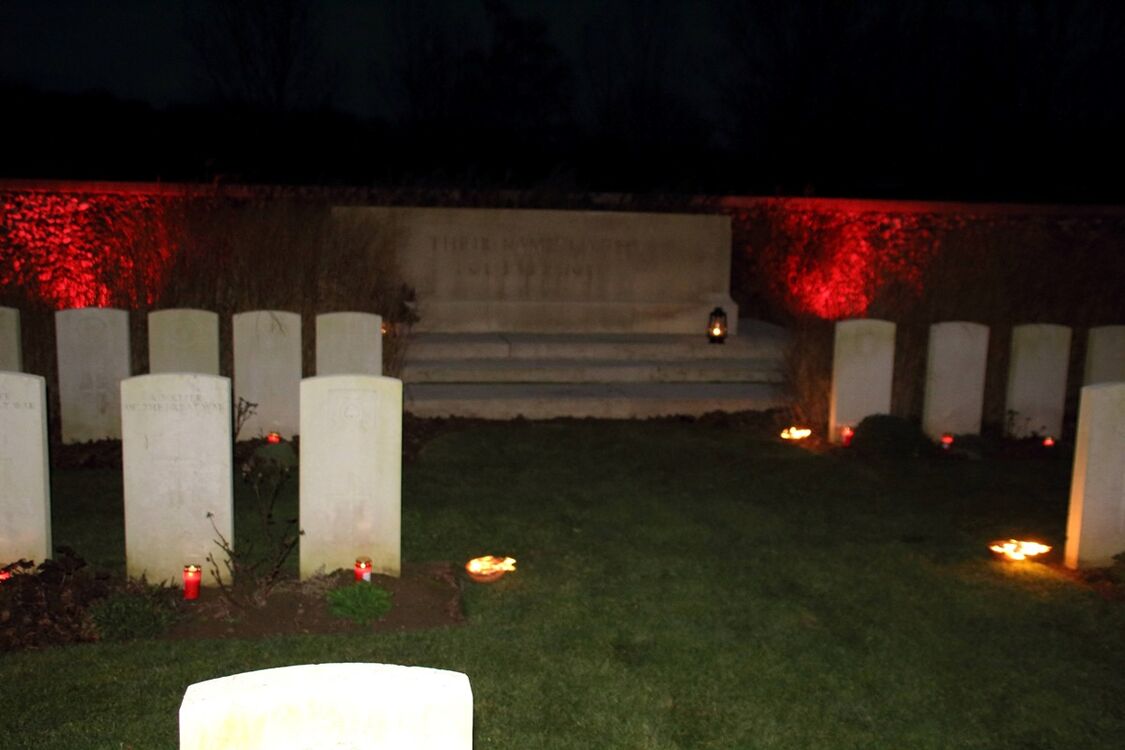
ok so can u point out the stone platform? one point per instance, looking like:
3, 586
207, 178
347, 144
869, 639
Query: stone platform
618, 376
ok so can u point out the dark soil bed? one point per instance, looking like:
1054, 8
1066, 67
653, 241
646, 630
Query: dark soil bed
428, 595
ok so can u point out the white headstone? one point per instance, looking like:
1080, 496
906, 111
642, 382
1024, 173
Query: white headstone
1037, 380
267, 370
25, 487
863, 365
955, 367
1095, 526
176, 462
349, 343
93, 352
183, 340
351, 706
11, 352
1105, 355
351, 472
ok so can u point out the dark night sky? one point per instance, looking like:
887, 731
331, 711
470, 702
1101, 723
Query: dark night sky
906, 98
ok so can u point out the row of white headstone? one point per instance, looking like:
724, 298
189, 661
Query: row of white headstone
863, 368
93, 359
178, 477
954, 397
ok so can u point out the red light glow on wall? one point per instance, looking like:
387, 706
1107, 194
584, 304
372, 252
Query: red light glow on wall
73, 250
832, 259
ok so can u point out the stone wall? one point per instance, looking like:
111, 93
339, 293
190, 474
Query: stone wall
487, 270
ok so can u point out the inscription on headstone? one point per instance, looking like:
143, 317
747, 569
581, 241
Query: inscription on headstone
183, 341
176, 462
25, 506
267, 370
93, 359
351, 470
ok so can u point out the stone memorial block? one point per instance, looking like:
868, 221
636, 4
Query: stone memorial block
1105, 355
1037, 380
267, 370
176, 463
863, 364
351, 471
1095, 526
349, 343
355, 706
183, 340
25, 486
93, 356
11, 352
489, 270
955, 368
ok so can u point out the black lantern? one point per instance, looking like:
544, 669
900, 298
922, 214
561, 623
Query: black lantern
717, 326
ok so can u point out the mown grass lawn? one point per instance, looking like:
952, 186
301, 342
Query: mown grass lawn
680, 585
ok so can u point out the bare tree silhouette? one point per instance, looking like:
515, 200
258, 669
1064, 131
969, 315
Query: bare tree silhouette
265, 55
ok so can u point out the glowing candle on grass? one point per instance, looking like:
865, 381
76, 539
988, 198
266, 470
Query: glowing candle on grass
1048, 441
1017, 549
946, 441
273, 438
193, 575
363, 569
847, 432
5, 575
488, 568
795, 433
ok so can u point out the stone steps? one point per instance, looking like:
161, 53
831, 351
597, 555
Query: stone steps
599, 400
591, 371
452, 346
541, 376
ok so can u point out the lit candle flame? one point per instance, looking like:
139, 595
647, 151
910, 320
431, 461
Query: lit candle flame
946, 440
1016, 549
716, 331
273, 437
489, 564
795, 433
1048, 441
846, 434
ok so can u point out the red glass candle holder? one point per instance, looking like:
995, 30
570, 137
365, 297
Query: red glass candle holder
847, 432
363, 569
193, 576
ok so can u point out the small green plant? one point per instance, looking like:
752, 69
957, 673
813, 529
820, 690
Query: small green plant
362, 603
137, 612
